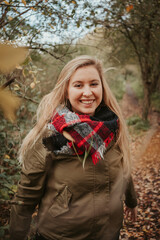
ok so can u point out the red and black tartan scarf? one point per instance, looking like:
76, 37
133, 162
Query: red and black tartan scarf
91, 134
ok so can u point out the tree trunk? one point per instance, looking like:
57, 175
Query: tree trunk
146, 101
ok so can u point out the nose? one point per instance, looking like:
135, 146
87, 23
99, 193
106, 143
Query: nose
87, 91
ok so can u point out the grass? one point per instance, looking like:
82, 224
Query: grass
137, 124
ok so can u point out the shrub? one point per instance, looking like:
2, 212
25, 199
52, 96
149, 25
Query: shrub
137, 123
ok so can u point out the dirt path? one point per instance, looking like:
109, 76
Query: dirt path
146, 174
130, 104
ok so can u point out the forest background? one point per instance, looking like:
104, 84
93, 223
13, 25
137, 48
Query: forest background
39, 37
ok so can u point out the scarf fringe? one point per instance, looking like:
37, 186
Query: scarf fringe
99, 154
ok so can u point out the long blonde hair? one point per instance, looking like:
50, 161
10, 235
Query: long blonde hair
58, 96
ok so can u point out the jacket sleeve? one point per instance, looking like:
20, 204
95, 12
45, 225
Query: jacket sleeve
30, 190
130, 194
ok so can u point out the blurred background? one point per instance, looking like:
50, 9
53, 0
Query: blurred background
37, 38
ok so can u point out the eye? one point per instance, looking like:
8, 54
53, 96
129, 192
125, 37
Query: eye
78, 85
94, 84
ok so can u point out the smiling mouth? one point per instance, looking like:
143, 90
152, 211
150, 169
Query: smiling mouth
87, 101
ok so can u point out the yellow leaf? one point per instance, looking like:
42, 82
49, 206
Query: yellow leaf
24, 2
10, 18
51, 26
11, 56
15, 9
19, 67
32, 85
34, 9
9, 103
7, 156
16, 87
14, 188
6, 2
74, 2
25, 72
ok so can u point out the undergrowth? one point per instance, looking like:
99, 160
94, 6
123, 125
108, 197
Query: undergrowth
137, 124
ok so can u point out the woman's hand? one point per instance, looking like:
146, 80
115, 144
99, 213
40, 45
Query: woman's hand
131, 214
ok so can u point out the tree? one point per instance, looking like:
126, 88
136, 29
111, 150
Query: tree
38, 23
34, 23
139, 22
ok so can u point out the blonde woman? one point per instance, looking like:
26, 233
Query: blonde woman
75, 162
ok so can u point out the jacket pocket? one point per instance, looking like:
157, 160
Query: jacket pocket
61, 203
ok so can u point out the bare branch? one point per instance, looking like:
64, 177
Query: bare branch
22, 13
5, 23
128, 35
46, 51
27, 98
3, 16
6, 84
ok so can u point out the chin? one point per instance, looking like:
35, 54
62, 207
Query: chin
89, 113
84, 111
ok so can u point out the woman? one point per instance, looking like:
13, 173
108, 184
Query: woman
76, 161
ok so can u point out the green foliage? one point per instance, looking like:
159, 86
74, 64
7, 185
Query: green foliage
9, 177
11, 135
117, 83
3, 230
42, 72
137, 124
137, 87
10, 139
36, 56
10, 168
118, 87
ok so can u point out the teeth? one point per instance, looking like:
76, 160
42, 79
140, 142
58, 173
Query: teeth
87, 102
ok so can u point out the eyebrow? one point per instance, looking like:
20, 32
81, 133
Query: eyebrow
79, 81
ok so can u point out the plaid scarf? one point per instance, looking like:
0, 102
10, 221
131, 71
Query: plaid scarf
92, 134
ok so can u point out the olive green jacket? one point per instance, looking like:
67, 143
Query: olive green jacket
74, 203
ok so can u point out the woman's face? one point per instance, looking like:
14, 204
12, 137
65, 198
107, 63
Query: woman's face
85, 90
